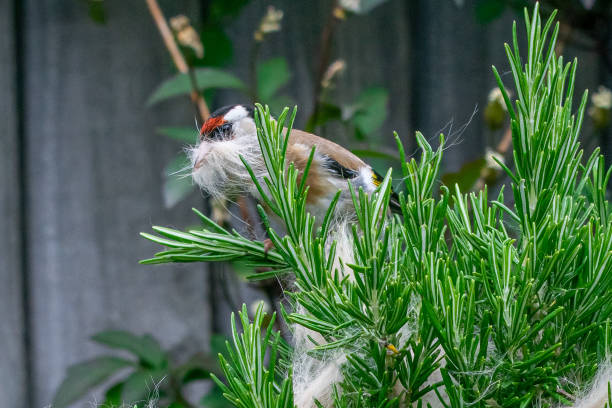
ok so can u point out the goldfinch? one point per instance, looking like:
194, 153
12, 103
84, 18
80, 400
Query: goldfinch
230, 132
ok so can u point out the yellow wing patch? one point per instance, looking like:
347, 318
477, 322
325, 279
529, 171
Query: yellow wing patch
376, 179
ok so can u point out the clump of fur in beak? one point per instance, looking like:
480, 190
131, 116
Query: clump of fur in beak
218, 170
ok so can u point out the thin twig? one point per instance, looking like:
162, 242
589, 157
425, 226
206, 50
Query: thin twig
177, 56
196, 96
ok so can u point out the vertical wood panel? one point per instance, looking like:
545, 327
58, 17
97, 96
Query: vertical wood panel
451, 76
13, 367
94, 177
378, 52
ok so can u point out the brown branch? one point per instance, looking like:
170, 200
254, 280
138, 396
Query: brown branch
196, 96
167, 36
177, 57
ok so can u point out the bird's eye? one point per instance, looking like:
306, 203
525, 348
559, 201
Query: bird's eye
216, 134
221, 132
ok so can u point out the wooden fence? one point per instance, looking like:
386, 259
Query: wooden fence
81, 165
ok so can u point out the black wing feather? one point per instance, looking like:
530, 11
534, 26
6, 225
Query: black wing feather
339, 170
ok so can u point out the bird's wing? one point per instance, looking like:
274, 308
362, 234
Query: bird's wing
335, 152
339, 161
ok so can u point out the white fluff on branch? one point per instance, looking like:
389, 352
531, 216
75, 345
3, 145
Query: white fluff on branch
596, 395
314, 379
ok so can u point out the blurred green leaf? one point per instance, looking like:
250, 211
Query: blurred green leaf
369, 111
217, 344
466, 176
242, 269
175, 189
141, 385
145, 347
177, 181
195, 374
488, 10
218, 48
272, 75
112, 397
82, 377
206, 78
327, 112
495, 115
182, 134
365, 6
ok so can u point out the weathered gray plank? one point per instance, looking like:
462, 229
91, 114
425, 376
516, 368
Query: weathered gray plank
94, 173
13, 367
451, 76
378, 52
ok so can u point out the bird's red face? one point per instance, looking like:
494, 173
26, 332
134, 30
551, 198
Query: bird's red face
215, 128
220, 126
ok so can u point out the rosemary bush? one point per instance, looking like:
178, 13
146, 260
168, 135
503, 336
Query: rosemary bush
461, 299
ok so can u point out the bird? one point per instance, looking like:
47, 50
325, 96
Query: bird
230, 132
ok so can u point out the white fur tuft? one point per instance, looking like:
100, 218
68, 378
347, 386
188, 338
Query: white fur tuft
596, 395
313, 378
220, 171
341, 232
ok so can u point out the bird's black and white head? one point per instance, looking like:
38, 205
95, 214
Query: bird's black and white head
229, 133
228, 122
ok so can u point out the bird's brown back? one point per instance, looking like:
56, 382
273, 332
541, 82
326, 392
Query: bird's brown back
328, 148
